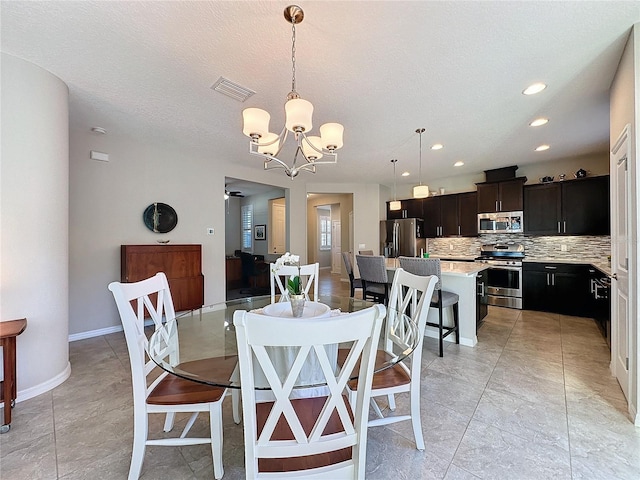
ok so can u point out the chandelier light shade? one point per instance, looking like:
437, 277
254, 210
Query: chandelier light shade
298, 121
396, 204
420, 191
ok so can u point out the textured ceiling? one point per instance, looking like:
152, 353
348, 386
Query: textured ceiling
382, 69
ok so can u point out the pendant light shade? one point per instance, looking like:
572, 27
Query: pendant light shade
395, 204
269, 144
420, 191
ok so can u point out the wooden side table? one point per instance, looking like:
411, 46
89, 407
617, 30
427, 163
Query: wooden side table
8, 393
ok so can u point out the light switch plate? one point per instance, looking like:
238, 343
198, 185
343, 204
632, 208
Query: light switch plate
362, 245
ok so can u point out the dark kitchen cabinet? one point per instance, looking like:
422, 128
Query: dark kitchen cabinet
556, 287
505, 196
410, 208
468, 214
450, 215
432, 217
542, 209
573, 207
482, 297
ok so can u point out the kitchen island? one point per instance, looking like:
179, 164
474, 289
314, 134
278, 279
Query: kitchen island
460, 278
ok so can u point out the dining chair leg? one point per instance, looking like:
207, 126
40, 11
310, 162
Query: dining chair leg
375, 407
391, 399
215, 421
416, 421
168, 421
235, 404
187, 427
140, 432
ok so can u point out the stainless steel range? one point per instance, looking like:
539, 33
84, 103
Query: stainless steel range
504, 275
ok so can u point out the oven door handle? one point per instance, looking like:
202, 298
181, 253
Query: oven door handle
500, 267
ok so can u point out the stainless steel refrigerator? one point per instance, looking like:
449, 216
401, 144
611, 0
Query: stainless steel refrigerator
402, 237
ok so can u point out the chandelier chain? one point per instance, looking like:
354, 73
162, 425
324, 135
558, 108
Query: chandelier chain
293, 57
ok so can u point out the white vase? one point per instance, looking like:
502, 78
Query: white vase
297, 304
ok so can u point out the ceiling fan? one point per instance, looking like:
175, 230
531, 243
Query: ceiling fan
233, 193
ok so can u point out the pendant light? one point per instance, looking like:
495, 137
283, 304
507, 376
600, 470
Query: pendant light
395, 205
420, 191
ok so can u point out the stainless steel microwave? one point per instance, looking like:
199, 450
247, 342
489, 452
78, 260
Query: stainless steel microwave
500, 222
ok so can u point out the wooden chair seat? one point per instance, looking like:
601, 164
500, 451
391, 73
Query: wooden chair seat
307, 410
389, 377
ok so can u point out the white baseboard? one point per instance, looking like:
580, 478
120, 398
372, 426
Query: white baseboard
95, 333
44, 387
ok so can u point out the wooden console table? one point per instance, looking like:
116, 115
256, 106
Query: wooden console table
8, 333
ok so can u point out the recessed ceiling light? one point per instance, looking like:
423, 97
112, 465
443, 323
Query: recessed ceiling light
458, 164
539, 121
437, 146
405, 174
533, 89
542, 148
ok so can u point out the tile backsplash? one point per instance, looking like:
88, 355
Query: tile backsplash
551, 247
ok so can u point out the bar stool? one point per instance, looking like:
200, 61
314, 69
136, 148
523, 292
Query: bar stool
373, 273
441, 298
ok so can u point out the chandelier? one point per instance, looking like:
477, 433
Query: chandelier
420, 191
298, 116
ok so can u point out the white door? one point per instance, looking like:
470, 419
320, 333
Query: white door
336, 247
620, 253
278, 230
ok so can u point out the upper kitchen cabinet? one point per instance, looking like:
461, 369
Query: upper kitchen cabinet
572, 207
450, 215
468, 214
410, 208
504, 196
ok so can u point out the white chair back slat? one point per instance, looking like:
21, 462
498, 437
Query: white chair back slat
257, 334
308, 278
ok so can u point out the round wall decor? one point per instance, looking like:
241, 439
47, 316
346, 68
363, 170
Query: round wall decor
160, 217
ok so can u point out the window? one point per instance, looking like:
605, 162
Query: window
246, 213
325, 232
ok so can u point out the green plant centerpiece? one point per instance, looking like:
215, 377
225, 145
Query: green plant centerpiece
295, 292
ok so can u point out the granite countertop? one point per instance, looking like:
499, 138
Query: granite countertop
462, 269
600, 264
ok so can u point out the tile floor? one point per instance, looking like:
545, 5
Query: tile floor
534, 400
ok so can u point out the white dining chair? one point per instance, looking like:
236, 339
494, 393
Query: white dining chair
313, 437
155, 392
308, 278
410, 295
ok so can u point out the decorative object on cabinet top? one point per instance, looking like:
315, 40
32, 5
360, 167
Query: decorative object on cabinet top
581, 173
160, 217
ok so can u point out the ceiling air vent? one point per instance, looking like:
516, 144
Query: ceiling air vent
231, 89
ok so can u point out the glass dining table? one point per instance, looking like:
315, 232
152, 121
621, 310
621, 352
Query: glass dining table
204, 340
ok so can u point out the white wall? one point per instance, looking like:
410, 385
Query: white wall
34, 233
106, 204
625, 109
